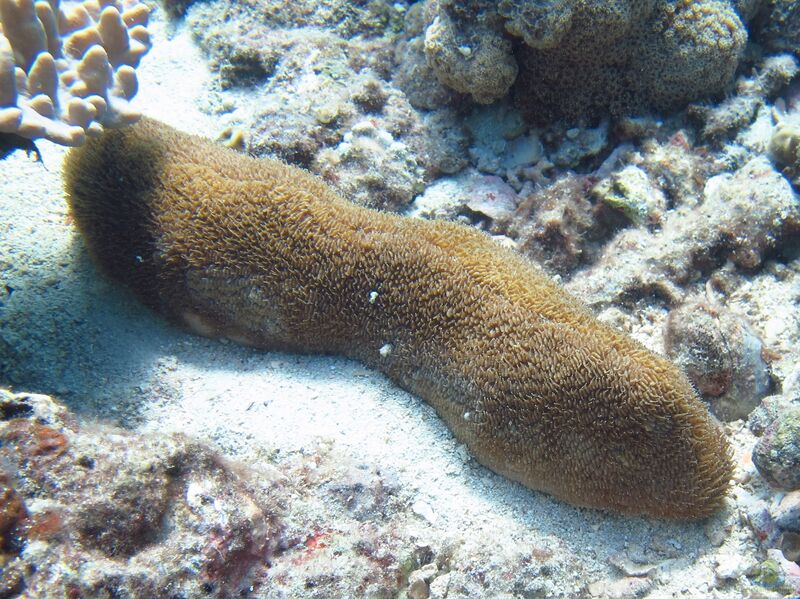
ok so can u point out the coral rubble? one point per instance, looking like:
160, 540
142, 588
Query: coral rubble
96, 511
698, 241
321, 96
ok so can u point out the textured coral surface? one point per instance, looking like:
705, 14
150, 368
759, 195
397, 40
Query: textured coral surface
534, 386
96, 511
586, 58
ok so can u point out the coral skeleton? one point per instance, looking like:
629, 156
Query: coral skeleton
66, 72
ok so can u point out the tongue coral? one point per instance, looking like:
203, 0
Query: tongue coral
268, 255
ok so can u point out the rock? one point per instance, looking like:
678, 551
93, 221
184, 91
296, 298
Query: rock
419, 580
787, 512
790, 546
776, 573
730, 566
557, 226
766, 413
424, 510
483, 199
630, 192
364, 492
744, 216
439, 586
791, 384
777, 453
624, 588
372, 168
579, 145
498, 139
721, 355
756, 513
629, 567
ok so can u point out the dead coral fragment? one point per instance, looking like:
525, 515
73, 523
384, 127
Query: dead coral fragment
536, 387
65, 74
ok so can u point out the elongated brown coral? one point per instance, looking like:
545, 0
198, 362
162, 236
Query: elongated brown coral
68, 71
266, 254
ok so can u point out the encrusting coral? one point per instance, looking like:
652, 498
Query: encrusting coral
66, 74
587, 57
268, 255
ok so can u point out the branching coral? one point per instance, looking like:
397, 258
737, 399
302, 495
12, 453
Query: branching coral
67, 73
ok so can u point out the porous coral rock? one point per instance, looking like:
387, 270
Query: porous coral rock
67, 72
502, 143
677, 168
752, 93
301, 79
367, 18
766, 413
557, 226
576, 145
630, 192
475, 60
784, 146
371, 168
415, 77
779, 27
540, 24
